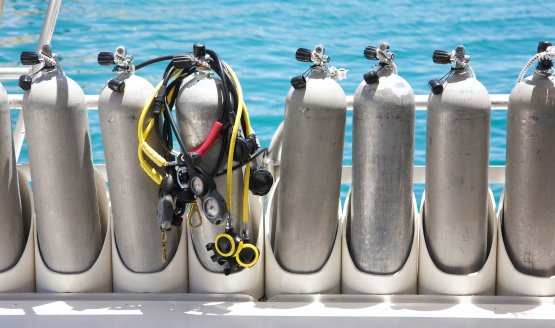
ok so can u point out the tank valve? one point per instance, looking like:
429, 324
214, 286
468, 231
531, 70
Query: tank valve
459, 60
385, 57
320, 61
44, 56
124, 67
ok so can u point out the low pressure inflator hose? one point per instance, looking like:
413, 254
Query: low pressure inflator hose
544, 56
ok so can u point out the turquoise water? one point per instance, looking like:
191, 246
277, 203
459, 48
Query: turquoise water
259, 39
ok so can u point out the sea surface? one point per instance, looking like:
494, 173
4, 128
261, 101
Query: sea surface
259, 38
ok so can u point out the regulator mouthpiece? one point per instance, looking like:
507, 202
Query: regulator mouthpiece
232, 252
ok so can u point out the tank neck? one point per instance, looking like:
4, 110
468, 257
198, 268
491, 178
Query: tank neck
318, 74
459, 75
386, 71
203, 73
541, 76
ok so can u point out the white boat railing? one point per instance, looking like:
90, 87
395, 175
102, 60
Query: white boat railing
496, 172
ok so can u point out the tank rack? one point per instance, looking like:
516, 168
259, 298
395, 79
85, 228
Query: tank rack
194, 310
235, 310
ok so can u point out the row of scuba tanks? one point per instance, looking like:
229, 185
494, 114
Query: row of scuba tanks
202, 166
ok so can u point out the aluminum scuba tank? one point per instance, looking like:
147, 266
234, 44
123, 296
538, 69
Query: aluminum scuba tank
199, 104
12, 234
68, 221
529, 209
312, 153
457, 159
381, 227
132, 193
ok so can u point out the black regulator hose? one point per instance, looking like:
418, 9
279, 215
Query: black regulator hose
153, 61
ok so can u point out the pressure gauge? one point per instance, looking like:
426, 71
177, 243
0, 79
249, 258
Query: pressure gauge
197, 186
213, 209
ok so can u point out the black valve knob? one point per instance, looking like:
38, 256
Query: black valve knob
199, 50
441, 57
29, 58
105, 58
25, 82
544, 64
371, 53
116, 85
298, 82
436, 87
543, 45
260, 181
303, 55
244, 148
371, 77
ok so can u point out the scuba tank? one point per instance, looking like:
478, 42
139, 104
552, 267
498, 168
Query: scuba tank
198, 105
382, 227
529, 210
457, 151
216, 141
55, 114
133, 194
12, 235
312, 153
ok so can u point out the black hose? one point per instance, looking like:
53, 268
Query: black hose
153, 61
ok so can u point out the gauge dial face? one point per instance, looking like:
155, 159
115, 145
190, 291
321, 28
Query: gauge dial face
197, 186
211, 208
